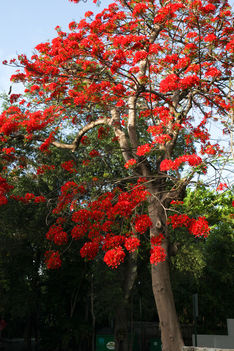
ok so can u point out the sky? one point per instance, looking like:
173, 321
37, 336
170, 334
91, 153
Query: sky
26, 23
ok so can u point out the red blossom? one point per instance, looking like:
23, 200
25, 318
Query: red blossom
162, 139
112, 241
221, 186
130, 163
139, 8
197, 227
57, 235
182, 62
89, 250
44, 168
179, 220
52, 259
143, 149
170, 83
155, 130
157, 255
45, 145
193, 160
114, 257
94, 153
139, 56
29, 196
142, 223
69, 166
132, 244
157, 240
209, 8
81, 216
189, 81
39, 199
79, 231
176, 202
8, 150
213, 72
210, 37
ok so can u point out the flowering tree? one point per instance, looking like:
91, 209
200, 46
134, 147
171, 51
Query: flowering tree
149, 78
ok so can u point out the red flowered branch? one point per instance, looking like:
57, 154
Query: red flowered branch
138, 72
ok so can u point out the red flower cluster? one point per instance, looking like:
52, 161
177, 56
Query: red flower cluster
177, 202
197, 227
132, 243
45, 145
140, 55
157, 240
143, 149
155, 130
167, 12
162, 139
221, 186
8, 150
69, 191
40, 198
44, 168
52, 259
193, 160
210, 37
114, 257
79, 231
57, 235
130, 163
172, 82
142, 223
139, 9
157, 254
112, 241
188, 81
98, 222
89, 250
94, 153
4, 188
81, 216
209, 8
69, 166
28, 198
102, 132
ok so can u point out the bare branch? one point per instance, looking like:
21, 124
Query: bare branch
88, 127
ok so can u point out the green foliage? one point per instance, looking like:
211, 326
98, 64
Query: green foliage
205, 266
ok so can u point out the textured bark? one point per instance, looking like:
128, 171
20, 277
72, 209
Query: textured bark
121, 328
170, 330
122, 340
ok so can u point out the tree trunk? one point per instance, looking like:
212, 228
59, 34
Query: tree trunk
122, 340
28, 333
121, 328
170, 329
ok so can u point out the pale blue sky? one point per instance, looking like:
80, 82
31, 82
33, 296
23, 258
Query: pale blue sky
26, 23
